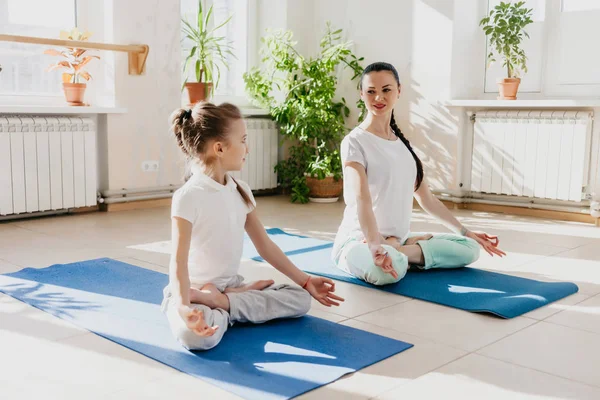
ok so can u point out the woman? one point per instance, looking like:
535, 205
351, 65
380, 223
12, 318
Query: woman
382, 173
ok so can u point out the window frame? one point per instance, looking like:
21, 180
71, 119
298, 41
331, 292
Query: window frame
549, 85
38, 98
252, 23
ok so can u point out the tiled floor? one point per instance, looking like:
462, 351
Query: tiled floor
550, 353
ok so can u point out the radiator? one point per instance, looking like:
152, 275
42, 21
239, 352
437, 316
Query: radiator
46, 163
536, 154
263, 145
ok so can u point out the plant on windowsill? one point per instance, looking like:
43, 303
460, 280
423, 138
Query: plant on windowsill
299, 94
208, 53
505, 28
75, 60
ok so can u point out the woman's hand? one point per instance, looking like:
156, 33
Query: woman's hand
382, 259
322, 290
194, 320
488, 242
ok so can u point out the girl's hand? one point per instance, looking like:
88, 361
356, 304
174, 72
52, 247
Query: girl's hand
322, 290
194, 320
382, 259
488, 242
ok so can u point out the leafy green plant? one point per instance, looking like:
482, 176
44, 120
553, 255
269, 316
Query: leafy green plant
325, 163
294, 166
505, 28
208, 52
300, 94
300, 190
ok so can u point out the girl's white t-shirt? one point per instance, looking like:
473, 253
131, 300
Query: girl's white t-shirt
391, 174
218, 216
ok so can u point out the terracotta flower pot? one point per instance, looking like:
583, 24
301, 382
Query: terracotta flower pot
74, 93
198, 91
508, 88
326, 190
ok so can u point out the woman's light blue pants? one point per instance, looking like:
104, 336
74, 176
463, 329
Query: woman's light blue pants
443, 250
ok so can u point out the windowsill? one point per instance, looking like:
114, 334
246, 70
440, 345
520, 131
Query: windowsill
33, 109
253, 112
545, 103
247, 111
243, 103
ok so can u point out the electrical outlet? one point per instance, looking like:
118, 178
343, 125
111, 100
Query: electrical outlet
150, 166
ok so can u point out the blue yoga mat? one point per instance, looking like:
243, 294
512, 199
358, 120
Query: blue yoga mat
276, 360
468, 289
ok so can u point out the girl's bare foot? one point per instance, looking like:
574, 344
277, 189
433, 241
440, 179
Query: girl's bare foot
415, 239
210, 296
258, 285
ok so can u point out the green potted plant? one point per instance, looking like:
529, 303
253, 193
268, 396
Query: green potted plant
505, 28
207, 54
324, 175
74, 61
299, 93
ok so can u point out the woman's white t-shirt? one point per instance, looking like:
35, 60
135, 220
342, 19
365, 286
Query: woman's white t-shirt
391, 174
218, 216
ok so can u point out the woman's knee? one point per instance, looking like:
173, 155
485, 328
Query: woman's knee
473, 252
468, 251
373, 274
358, 261
449, 251
376, 276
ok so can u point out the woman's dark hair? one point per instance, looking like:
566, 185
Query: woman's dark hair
383, 66
205, 122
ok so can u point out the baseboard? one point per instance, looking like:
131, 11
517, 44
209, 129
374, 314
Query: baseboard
166, 202
80, 210
513, 210
523, 211
136, 205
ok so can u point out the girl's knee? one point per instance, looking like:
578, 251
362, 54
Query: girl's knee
191, 341
304, 301
296, 298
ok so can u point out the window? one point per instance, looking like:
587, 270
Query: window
561, 60
579, 5
240, 32
572, 67
24, 65
532, 80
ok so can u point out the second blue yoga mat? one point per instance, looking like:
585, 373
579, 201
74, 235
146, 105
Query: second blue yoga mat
468, 289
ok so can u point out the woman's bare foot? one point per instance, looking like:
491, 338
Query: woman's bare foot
411, 250
393, 241
415, 239
210, 296
258, 285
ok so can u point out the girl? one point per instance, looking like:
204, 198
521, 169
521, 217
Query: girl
382, 173
209, 214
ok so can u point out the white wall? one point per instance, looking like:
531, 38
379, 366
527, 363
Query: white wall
125, 141
436, 45
143, 132
417, 37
